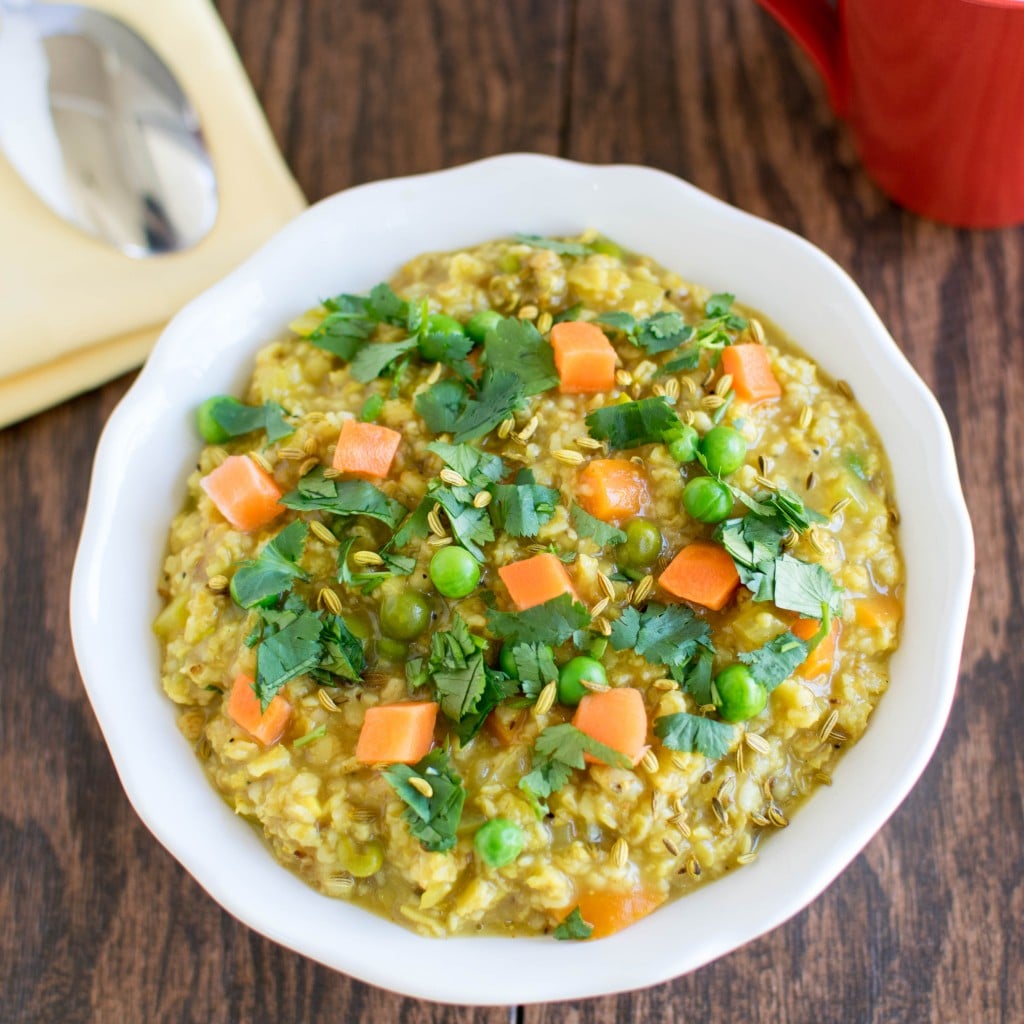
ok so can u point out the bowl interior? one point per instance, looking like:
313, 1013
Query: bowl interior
350, 242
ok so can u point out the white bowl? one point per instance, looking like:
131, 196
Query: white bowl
348, 243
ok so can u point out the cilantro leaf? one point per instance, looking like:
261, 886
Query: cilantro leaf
341, 652
292, 651
696, 677
719, 304
552, 622
497, 687
562, 248
500, 394
471, 526
522, 508
693, 734
273, 570
478, 468
236, 419
805, 587
371, 408
343, 332
516, 346
372, 360
776, 660
632, 424
586, 525
663, 635
536, 667
442, 404
573, 927
662, 332
383, 304
782, 505
316, 493
619, 321
556, 752
432, 820
460, 687
446, 345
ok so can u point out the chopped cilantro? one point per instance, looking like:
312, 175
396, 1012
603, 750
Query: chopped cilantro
632, 424
573, 927
479, 469
441, 405
536, 667
784, 505
602, 533
371, 408
273, 570
776, 660
394, 565
805, 587
500, 395
661, 332
432, 820
236, 419
522, 508
569, 313
516, 346
663, 635
372, 360
443, 344
552, 622
471, 526
343, 332
557, 751
693, 734
697, 676
316, 493
314, 734
384, 305
297, 641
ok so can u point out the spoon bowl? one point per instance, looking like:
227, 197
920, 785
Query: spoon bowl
99, 128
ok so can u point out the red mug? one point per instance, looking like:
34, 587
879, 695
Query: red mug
933, 91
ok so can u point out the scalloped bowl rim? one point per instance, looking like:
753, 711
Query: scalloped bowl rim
348, 242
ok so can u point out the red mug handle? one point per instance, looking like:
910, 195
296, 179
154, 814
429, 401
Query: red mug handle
814, 24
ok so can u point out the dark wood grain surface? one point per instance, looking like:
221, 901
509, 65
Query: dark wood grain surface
100, 924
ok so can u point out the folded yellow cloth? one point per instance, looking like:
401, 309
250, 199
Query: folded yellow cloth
75, 312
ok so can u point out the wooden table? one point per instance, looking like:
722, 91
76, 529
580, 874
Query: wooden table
100, 924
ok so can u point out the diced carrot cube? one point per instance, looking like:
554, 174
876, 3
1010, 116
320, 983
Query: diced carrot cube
365, 450
397, 733
608, 911
878, 611
612, 489
821, 660
751, 372
617, 718
584, 358
244, 709
535, 580
702, 572
245, 495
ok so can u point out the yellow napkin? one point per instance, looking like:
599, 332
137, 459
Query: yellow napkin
74, 312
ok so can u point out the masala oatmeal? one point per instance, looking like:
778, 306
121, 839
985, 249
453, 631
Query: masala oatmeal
530, 590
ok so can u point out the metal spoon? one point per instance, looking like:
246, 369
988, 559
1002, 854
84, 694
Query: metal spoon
100, 129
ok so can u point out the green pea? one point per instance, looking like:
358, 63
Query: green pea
499, 842
737, 694
508, 263
707, 499
404, 615
507, 663
392, 650
572, 674
482, 322
724, 450
454, 571
360, 863
683, 443
643, 544
206, 418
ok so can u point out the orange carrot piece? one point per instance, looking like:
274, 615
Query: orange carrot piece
617, 718
397, 733
245, 495
610, 910
584, 358
878, 612
365, 450
503, 724
702, 572
535, 580
820, 661
751, 372
244, 709
612, 488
